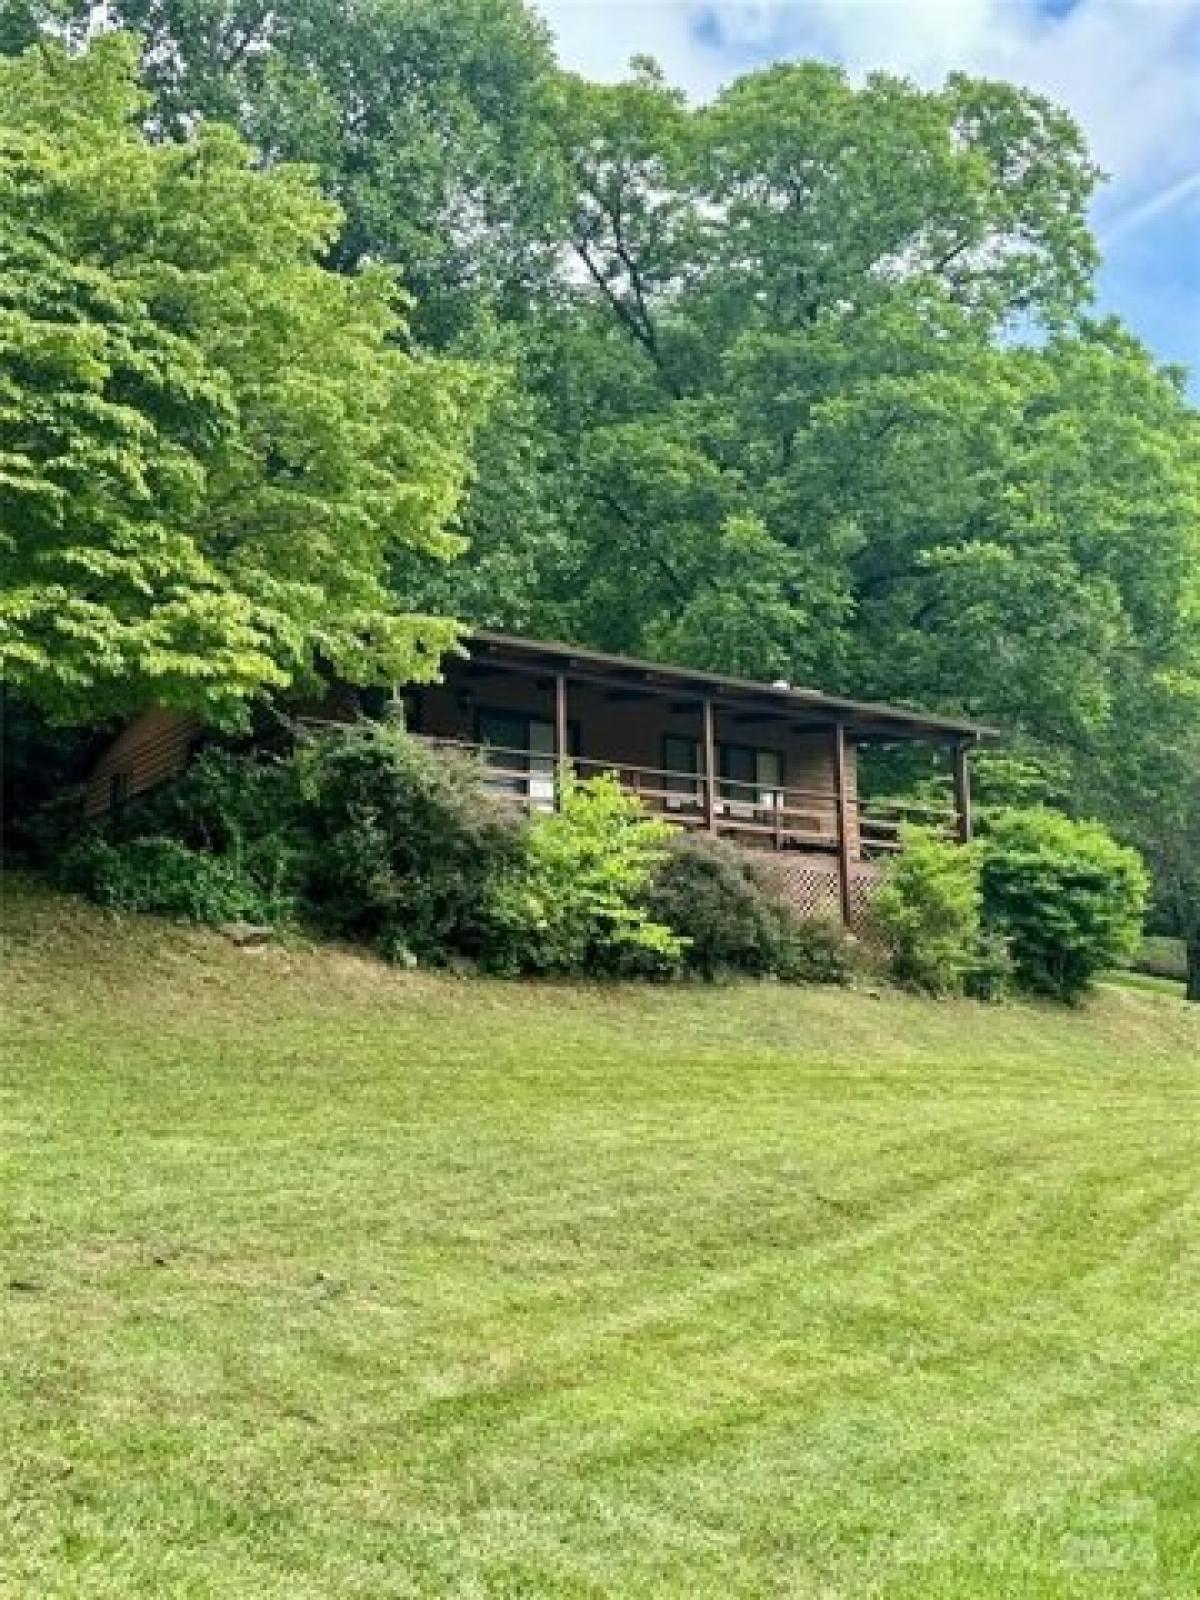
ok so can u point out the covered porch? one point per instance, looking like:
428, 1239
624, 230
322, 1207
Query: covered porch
771, 767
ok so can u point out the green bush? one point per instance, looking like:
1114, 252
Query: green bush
222, 800
991, 975
928, 912
1067, 897
818, 950
732, 919
1159, 956
164, 876
243, 808
38, 765
361, 829
404, 847
576, 901
707, 892
216, 844
380, 838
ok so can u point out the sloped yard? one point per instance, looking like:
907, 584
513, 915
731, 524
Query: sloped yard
321, 1280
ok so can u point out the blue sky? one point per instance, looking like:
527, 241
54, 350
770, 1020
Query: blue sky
1129, 70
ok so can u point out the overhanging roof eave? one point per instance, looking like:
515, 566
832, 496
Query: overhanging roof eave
870, 719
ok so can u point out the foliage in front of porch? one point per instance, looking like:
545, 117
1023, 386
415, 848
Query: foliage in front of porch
235, 457
364, 832
367, 833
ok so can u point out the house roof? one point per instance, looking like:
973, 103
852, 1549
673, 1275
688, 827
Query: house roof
868, 719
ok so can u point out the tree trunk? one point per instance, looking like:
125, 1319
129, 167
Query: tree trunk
1193, 964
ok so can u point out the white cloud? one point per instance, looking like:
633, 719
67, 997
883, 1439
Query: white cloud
1128, 69
1171, 197
597, 37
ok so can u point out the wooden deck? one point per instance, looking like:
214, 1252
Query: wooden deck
797, 829
779, 818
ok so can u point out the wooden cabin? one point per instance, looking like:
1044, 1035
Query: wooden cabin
768, 765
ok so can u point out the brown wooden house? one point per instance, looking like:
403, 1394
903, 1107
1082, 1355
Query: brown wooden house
772, 767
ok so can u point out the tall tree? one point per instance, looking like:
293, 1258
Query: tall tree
765, 292
801, 383
802, 428
425, 119
1149, 783
209, 444
798, 428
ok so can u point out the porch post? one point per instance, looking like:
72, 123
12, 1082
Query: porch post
562, 738
962, 791
710, 767
842, 808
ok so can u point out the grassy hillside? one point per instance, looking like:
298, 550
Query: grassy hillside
323, 1280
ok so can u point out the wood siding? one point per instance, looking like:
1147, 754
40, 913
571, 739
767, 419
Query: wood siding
152, 748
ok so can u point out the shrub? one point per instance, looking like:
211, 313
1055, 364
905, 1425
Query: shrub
403, 845
707, 892
242, 807
576, 902
1068, 898
991, 974
817, 950
165, 876
220, 802
732, 919
1159, 956
57, 829
38, 764
216, 844
928, 912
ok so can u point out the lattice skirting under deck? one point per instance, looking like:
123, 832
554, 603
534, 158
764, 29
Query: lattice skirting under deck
810, 883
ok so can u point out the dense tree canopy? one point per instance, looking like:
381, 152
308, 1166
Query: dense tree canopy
795, 427
800, 383
209, 444
823, 399
426, 120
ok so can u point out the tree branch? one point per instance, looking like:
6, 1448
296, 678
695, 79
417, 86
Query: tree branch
638, 322
678, 586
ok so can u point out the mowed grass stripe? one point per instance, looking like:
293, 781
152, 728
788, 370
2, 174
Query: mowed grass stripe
341, 1282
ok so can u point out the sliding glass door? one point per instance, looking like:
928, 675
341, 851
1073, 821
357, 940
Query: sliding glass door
749, 780
681, 758
522, 755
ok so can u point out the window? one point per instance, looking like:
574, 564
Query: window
681, 757
524, 754
750, 779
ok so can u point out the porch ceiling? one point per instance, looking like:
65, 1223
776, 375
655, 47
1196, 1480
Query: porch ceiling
626, 676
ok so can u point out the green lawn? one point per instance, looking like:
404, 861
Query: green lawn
322, 1280
1152, 981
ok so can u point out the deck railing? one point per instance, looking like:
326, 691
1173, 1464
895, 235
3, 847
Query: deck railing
773, 816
